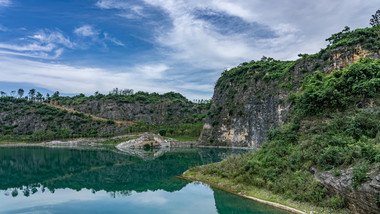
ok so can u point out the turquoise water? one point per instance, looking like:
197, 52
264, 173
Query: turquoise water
59, 180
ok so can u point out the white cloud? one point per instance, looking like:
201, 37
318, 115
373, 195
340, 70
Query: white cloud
112, 39
129, 11
44, 44
112, 4
5, 3
86, 31
299, 26
69, 79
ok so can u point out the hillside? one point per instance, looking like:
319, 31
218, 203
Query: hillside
150, 108
252, 98
319, 118
21, 119
57, 117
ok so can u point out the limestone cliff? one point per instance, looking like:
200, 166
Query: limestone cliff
153, 113
253, 98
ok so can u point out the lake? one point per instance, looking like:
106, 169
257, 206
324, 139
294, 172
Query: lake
101, 180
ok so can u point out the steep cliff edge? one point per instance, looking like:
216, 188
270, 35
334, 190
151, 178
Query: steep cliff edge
252, 98
324, 109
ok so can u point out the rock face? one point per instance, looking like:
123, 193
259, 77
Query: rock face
341, 57
364, 199
153, 113
241, 114
146, 140
26, 118
255, 116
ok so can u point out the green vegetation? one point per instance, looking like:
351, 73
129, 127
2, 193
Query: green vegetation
367, 37
25, 120
62, 118
340, 89
192, 130
184, 138
141, 97
266, 69
335, 124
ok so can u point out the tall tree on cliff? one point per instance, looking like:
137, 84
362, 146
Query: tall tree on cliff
20, 92
375, 21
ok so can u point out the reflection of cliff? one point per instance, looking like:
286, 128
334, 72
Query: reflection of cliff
97, 170
226, 203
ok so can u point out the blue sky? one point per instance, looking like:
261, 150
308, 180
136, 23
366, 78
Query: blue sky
158, 45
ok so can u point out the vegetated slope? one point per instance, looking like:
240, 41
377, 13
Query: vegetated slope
142, 107
327, 150
252, 98
21, 119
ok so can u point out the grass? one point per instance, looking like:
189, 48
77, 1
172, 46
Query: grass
260, 193
183, 138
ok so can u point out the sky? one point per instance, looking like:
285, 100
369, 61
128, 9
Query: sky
86, 46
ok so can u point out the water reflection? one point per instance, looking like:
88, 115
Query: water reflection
25, 170
72, 180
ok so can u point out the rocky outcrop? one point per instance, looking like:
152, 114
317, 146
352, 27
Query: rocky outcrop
147, 140
153, 113
255, 116
364, 199
242, 112
22, 117
343, 56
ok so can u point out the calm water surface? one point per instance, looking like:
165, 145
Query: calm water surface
63, 180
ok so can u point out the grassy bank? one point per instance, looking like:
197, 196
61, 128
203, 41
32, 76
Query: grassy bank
259, 193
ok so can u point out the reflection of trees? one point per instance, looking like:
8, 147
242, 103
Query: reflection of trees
227, 203
29, 170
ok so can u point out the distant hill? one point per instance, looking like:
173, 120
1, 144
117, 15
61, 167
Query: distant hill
36, 118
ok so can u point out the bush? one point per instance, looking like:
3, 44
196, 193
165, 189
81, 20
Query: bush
360, 176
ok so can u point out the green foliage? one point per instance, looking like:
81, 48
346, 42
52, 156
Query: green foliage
337, 202
141, 97
268, 70
366, 37
375, 20
331, 127
51, 123
359, 176
170, 129
340, 89
162, 132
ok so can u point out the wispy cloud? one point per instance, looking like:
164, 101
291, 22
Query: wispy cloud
112, 39
5, 3
70, 79
2, 28
199, 35
128, 10
45, 44
86, 31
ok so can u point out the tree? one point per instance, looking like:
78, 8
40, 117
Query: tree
31, 94
375, 21
13, 93
20, 92
39, 97
55, 95
3, 94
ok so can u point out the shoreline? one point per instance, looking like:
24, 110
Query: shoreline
75, 142
233, 191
